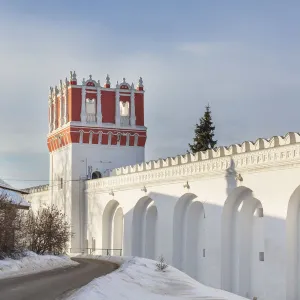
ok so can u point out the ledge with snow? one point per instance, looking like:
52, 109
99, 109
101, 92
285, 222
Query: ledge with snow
138, 279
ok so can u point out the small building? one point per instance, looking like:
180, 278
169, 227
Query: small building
13, 195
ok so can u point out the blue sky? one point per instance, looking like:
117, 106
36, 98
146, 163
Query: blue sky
240, 56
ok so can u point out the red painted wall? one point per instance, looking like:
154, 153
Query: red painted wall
125, 98
108, 106
75, 104
91, 95
139, 109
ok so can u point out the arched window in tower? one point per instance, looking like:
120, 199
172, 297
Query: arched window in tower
90, 110
96, 175
124, 113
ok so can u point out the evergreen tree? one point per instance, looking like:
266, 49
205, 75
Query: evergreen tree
204, 133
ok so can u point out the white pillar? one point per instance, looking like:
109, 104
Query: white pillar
50, 115
117, 115
99, 109
54, 112
132, 109
83, 112
66, 106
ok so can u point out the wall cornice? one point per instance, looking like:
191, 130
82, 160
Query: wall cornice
178, 168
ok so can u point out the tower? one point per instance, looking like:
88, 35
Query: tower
92, 129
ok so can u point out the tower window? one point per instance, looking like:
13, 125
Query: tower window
261, 256
124, 109
96, 175
61, 183
90, 110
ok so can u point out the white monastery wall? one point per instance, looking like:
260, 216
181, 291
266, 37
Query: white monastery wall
224, 220
38, 198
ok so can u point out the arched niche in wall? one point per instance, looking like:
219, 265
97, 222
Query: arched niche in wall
144, 228
189, 236
293, 246
150, 231
112, 228
242, 244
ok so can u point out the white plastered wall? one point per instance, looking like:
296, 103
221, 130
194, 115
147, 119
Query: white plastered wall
271, 187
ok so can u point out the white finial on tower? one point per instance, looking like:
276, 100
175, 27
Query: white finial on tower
56, 91
73, 76
117, 86
124, 80
107, 80
91, 77
83, 81
132, 86
141, 84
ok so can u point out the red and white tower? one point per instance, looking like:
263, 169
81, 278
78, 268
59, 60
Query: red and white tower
92, 129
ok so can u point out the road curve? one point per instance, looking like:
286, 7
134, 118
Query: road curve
55, 284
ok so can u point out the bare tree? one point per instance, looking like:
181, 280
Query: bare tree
48, 231
12, 231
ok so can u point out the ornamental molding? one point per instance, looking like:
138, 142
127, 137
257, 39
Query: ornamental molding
180, 168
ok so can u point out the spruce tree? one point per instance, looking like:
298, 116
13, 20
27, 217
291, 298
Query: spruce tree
204, 133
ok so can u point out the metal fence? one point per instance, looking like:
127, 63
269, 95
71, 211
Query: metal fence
93, 251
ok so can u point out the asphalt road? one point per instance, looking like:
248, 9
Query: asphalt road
55, 284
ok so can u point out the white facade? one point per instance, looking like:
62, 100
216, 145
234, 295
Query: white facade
228, 217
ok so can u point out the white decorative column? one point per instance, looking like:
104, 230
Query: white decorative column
54, 111
99, 109
83, 112
50, 114
117, 115
132, 107
66, 117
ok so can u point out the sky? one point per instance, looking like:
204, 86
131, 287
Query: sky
241, 57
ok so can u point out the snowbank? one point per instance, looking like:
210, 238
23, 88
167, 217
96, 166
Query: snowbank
32, 263
137, 279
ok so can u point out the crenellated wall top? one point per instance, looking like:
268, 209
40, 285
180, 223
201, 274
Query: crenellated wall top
37, 189
260, 144
249, 155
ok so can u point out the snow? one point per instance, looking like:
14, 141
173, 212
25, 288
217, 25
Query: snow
13, 196
137, 278
32, 263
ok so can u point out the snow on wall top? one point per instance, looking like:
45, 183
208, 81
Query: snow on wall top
248, 146
12, 194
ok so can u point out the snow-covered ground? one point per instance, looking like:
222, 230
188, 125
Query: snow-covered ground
32, 263
137, 279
